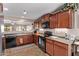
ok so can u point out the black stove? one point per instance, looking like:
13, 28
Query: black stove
42, 40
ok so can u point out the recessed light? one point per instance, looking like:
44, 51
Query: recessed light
24, 12
5, 9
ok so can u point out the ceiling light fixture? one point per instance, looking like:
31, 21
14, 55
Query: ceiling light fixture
24, 12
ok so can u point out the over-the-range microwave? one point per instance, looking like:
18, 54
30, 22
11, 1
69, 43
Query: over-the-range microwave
45, 24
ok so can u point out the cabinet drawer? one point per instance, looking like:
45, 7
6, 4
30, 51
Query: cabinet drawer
61, 44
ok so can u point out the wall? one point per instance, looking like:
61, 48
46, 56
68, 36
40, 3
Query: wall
76, 18
1, 22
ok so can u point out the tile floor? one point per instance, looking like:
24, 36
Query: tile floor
26, 50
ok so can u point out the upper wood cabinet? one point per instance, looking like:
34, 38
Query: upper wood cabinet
65, 19
54, 21
45, 18
39, 23
36, 24
61, 19
58, 20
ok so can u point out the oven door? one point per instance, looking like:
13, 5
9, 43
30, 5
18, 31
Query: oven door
42, 43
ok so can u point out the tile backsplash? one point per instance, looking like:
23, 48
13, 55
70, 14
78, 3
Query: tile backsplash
72, 33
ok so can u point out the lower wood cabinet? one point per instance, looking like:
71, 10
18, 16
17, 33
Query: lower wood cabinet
49, 46
24, 39
55, 48
36, 39
60, 49
19, 40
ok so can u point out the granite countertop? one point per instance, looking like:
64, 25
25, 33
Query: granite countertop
17, 34
63, 40
59, 39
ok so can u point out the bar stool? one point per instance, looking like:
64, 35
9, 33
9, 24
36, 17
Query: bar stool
75, 45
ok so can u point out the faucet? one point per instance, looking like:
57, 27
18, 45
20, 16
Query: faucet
66, 36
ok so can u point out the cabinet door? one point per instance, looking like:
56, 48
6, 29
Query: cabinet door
49, 46
30, 39
26, 39
36, 39
53, 21
19, 40
65, 19
39, 24
60, 49
47, 17
35, 24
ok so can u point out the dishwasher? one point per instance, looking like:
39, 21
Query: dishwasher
10, 41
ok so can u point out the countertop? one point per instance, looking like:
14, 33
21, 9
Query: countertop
59, 39
62, 40
17, 34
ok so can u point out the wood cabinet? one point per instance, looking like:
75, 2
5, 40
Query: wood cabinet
28, 39
19, 40
54, 21
65, 19
36, 39
60, 49
45, 17
35, 24
61, 19
55, 48
39, 24
49, 46
58, 20
24, 39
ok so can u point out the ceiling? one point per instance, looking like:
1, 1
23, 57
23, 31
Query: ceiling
34, 10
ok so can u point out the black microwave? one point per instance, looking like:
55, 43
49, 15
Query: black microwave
45, 24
